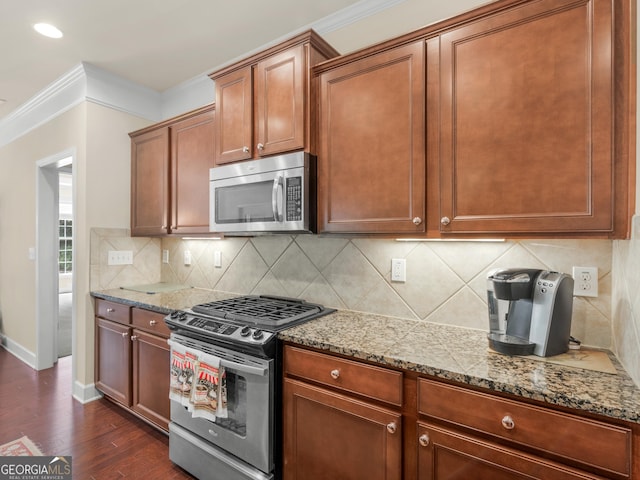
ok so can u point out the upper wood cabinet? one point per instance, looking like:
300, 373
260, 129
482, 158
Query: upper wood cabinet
263, 101
531, 102
170, 165
371, 155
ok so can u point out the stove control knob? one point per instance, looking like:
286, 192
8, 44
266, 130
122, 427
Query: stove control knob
257, 335
245, 331
175, 314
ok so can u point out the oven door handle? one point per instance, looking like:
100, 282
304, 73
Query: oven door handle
248, 369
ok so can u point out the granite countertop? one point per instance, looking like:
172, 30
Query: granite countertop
448, 352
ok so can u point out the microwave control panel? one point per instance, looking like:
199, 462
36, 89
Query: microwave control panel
294, 199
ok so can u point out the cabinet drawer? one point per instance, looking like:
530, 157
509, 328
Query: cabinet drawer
581, 440
149, 321
374, 382
116, 312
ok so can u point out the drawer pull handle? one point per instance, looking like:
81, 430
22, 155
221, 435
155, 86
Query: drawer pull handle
391, 427
152, 322
417, 220
445, 221
124, 334
335, 374
134, 338
508, 423
111, 310
424, 440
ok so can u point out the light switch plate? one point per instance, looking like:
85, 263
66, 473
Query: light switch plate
398, 270
120, 257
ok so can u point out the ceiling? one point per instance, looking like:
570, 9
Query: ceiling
155, 43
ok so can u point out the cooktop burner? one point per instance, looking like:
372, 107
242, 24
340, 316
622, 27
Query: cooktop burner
249, 320
264, 310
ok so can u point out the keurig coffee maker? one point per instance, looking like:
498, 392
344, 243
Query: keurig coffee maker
529, 311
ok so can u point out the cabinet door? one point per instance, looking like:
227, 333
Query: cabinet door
280, 88
151, 358
150, 183
448, 455
371, 165
234, 122
192, 153
330, 436
113, 360
527, 121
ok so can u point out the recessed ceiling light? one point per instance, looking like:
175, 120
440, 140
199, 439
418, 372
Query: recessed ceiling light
47, 30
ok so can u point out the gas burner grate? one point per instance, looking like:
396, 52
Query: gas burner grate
260, 309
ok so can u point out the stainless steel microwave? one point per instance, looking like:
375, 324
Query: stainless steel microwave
270, 195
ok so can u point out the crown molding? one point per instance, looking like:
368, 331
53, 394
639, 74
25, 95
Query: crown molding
86, 82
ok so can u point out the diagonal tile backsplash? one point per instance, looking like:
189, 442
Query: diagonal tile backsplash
446, 281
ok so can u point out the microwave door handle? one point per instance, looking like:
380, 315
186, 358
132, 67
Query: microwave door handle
275, 195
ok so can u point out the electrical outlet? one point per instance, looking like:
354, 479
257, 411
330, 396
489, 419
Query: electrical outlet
217, 259
165, 256
120, 257
398, 270
585, 281
187, 257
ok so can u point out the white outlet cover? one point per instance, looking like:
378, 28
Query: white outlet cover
398, 270
585, 281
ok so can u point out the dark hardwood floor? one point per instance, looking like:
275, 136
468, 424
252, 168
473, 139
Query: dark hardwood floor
105, 442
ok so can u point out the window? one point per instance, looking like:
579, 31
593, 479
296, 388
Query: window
65, 257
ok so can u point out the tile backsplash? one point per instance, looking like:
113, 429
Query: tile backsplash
626, 301
446, 281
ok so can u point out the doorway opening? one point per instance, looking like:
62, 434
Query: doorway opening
55, 259
65, 259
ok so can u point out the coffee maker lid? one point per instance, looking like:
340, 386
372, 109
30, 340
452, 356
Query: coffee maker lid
515, 275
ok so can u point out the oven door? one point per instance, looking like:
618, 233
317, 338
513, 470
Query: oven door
248, 431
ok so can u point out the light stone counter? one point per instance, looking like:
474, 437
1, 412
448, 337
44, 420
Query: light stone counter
447, 352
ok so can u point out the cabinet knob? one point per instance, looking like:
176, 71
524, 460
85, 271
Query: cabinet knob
111, 310
134, 338
260, 146
335, 374
445, 220
245, 149
392, 427
124, 334
508, 423
417, 220
152, 323
424, 440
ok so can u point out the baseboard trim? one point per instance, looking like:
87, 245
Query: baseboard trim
85, 393
18, 351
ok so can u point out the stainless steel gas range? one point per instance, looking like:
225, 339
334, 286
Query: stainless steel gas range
226, 385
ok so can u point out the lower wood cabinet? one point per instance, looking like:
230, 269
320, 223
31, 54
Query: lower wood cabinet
330, 435
447, 454
132, 360
349, 419
113, 360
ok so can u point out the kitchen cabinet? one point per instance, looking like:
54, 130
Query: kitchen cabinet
531, 102
371, 154
338, 423
132, 360
339, 415
513, 119
502, 438
170, 165
263, 102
